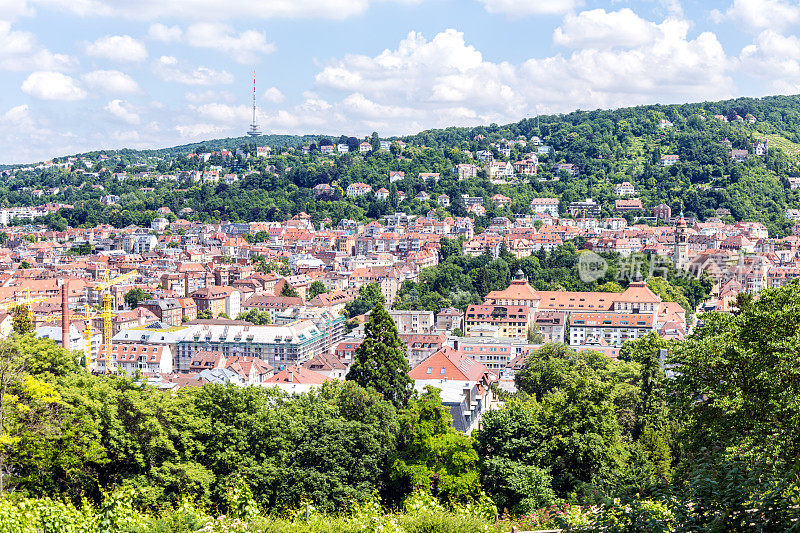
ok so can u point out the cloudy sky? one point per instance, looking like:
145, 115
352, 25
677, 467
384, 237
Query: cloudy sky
77, 75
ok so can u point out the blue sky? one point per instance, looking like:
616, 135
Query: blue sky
77, 75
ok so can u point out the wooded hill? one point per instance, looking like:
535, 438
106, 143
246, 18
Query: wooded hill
607, 146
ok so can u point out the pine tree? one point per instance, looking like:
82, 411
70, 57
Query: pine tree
380, 361
22, 322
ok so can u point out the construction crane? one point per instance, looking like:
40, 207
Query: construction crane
88, 317
24, 303
108, 313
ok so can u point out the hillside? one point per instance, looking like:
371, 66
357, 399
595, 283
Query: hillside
606, 147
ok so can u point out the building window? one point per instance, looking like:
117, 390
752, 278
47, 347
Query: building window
430, 370
443, 371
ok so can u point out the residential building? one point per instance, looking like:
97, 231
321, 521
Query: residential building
358, 189
449, 319
465, 171
628, 204
218, 300
278, 345
129, 358
739, 155
570, 168
669, 160
624, 189
586, 209
545, 206
413, 321
167, 310
511, 320
464, 384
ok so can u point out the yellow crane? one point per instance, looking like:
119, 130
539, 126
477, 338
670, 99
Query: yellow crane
87, 317
25, 302
108, 313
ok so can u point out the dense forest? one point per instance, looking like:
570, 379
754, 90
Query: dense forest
705, 439
608, 147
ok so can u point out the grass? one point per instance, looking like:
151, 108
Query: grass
791, 149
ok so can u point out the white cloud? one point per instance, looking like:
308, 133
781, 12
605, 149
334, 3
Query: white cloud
117, 48
20, 50
13, 9
19, 117
670, 68
245, 47
673, 7
600, 29
274, 95
224, 113
522, 8
165, 34
168, 68
360, 105
209, 95
313, 103
760, 14
111, 81
197, 131
444, 69
212, 10
445, 81
48, 85
126, 136
122, 110
776, 58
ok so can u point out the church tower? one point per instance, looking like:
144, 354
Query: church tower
680, 257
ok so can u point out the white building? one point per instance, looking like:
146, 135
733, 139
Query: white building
416, 322
545, 205
358, 189
159, 224
129, 358
624, 189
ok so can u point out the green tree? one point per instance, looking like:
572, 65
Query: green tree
380, 360
136, 295
24, 265
509, 446
550, 367
254, 316
432, 456
449, 248
369, 296
316, 288
22, 321
651, 406
205, 314
534, 335
669, 292
610, 286
289, 291
737, 384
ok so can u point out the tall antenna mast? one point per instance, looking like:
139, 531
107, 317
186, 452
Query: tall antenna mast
254, 131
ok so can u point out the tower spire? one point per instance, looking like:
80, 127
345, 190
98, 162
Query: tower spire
254, 131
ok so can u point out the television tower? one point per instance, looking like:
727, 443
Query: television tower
254, 131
